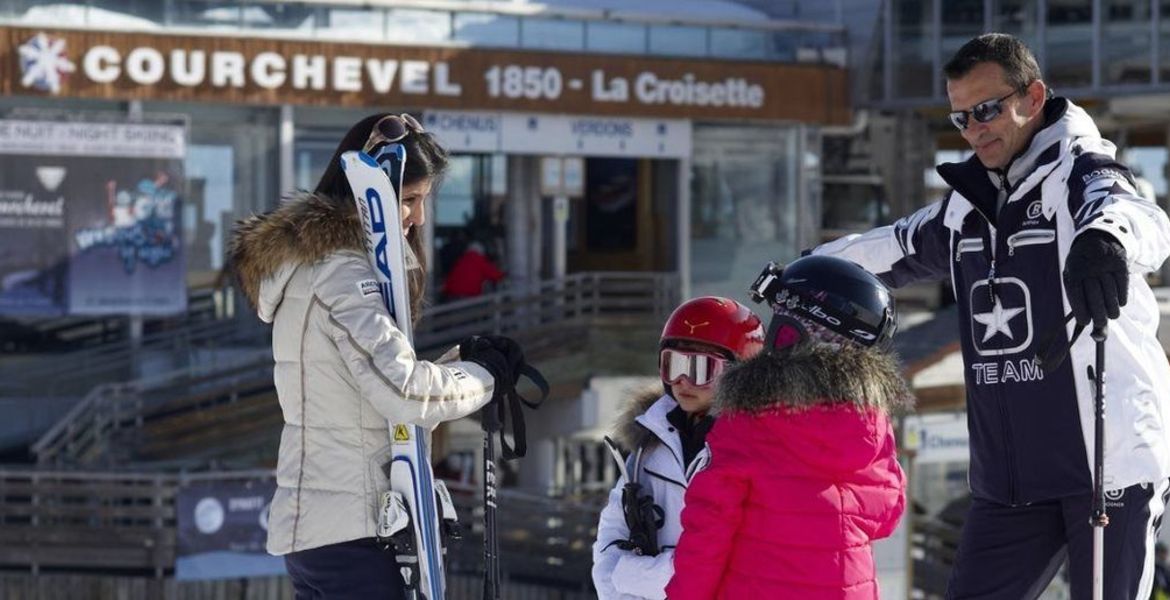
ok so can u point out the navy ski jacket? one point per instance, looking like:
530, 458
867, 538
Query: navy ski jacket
1002, 237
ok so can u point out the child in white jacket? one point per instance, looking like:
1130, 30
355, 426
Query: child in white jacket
664, 435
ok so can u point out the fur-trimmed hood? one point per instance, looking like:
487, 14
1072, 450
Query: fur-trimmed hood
304, 229
812, 375
627, 431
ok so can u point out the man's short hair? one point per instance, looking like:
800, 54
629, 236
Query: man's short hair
1018, 62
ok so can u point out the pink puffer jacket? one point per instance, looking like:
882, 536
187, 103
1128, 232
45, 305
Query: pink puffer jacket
803, 477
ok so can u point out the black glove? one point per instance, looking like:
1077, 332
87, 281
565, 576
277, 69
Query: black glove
482, 352
1096, 278
511, 351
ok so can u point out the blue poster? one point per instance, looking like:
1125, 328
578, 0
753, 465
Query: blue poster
223, 526
90, 219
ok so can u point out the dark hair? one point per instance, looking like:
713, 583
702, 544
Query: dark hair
1019, 64
425, 159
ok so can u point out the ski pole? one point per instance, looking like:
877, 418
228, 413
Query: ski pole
491, 548
1098, 519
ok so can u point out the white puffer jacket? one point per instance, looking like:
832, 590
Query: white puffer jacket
342, 371
620, 574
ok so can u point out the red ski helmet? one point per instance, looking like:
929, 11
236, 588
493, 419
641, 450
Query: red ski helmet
719, 322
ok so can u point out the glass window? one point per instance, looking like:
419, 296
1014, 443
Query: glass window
1125, 56
625, 38
1164, 42
913, 62
616, 38
352, 25
484, 29
676, 40
553, 34
738, 43
454, 204
418, 26
1018, 18
219, 15
32, 12
745, 194
1069, 45
126, 14
961, 21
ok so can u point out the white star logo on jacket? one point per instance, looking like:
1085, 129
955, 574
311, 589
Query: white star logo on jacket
996, 321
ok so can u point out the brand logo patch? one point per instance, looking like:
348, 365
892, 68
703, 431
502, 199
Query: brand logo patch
367, 287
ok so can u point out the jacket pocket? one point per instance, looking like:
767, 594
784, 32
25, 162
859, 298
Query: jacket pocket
1029, 237
966, 245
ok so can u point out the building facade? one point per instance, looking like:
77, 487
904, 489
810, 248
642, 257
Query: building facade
581, 139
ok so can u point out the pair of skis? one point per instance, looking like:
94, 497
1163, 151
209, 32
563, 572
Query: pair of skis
412, 511
376, 182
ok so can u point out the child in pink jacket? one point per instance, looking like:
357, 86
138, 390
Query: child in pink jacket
803, 474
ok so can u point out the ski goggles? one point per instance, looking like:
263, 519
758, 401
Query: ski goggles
700, 368
984, 112
390, 129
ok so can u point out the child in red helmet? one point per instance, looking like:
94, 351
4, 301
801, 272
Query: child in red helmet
664, 434
802, 473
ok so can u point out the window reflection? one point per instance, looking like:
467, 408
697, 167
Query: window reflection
487, 29
913, 62
677, 40
626, 38
1126, 41
553, 34
745, 190
1069, 44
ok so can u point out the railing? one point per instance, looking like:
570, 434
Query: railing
127, 523
112, 414
579, 298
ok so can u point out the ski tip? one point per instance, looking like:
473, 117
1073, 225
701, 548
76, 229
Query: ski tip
366, 158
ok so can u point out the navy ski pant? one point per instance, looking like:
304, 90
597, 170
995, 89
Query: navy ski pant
355, 570
1013, 552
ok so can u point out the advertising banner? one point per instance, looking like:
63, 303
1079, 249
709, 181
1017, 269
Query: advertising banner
223, 526
90, 218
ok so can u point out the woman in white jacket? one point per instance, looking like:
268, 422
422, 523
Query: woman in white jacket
343, 369
699, 339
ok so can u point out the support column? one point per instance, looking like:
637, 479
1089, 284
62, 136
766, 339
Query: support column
684, 228
285, 138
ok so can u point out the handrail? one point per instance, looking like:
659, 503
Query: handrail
578, 299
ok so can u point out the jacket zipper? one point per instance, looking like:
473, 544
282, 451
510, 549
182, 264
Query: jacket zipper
999, 399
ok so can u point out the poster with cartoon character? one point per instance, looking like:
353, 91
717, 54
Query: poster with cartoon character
93, 228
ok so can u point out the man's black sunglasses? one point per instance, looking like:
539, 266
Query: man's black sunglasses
984, 112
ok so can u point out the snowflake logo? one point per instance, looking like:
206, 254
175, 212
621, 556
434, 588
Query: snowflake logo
43, 63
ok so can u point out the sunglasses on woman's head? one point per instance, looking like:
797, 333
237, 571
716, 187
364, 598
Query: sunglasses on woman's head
390, 129
984, 112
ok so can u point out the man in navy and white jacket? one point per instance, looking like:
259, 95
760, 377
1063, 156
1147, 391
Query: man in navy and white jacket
1041, 222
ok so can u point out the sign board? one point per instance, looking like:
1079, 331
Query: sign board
595, 136
243, 69
545, 134
90, 218
551, 176
937, 438
222, 530
573, 176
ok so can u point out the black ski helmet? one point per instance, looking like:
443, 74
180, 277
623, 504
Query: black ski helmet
834, 293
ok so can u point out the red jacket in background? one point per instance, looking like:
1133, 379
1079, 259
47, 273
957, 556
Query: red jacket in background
469, 273
798, 485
